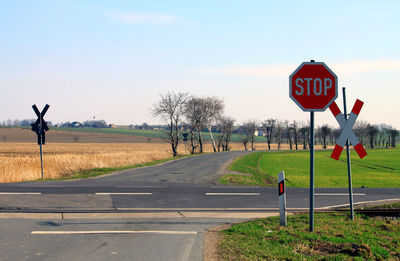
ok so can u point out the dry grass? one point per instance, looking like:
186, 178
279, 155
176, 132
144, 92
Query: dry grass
20, 161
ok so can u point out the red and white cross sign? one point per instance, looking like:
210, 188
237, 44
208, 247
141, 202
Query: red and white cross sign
347, 130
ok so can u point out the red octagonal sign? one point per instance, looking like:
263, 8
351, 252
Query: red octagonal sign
313, 86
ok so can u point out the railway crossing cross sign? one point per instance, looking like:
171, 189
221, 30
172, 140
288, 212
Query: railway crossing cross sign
40, 127
347, 130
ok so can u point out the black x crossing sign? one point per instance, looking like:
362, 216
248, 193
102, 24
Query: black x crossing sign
40, 126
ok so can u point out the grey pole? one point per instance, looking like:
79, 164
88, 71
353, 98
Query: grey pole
348, 160
312, 171
40, 143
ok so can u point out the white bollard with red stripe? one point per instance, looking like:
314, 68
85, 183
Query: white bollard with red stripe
347, 130
282, 199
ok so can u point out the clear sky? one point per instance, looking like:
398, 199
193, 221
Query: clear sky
112, 59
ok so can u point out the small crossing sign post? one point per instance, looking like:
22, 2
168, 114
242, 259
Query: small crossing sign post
347, 135
40, 127
313, 87
185, 138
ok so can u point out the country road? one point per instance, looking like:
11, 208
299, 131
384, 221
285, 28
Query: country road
151, 213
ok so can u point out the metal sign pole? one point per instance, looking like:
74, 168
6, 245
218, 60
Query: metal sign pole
348, 160
312, 136
40, 142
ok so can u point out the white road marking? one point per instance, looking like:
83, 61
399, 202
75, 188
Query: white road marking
184, 255
122, 193
232, 194
159, 232
362, 202
200, 209
20, 193
140, 187
339, 194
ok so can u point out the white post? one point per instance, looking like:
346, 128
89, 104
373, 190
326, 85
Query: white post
282, 199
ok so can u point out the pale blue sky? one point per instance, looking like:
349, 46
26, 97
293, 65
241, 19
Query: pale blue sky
112, 59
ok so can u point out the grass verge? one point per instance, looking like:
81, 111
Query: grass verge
379, 169
335, 238
89, 173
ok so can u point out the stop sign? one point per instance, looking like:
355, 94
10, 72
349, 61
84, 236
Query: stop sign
313, 86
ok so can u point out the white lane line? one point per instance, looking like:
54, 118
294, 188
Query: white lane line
232, 194
339, 194
201, 209
140, 187
159, 232
121, 193
20, 193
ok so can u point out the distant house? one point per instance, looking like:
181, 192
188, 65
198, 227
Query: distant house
75, 124
240, 130
260, 132
112, 126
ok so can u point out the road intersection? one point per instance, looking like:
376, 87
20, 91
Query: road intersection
152, 213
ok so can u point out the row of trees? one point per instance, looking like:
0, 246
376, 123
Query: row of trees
298, 134
184, 112
194, 114
28, 122
20, 123
86, 124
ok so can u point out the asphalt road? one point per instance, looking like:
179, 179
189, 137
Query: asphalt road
110, 239
153, 205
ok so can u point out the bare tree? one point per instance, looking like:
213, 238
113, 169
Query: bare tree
335, 134
324, 131
192, 114
295, 128
371, 131
225, 125
383, 134
250, 128
360, 128
305, 134
279, 131
213, 108
287, 132
393, 133
201, 113
269, 128
171, 107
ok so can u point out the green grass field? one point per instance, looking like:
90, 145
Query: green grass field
380, 168
335, 238
144, 133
